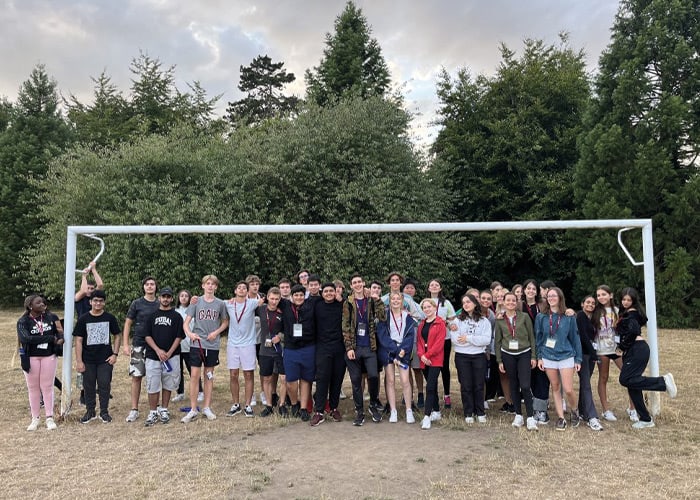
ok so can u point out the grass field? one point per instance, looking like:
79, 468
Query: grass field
273, 458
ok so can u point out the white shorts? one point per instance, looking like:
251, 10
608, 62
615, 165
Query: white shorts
240, 357
157, 378
558, 365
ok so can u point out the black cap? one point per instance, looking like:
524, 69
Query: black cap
166, 291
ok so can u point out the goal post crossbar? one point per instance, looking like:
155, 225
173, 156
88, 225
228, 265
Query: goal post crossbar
644, 224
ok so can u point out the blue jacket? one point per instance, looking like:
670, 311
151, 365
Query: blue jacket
388, 348
564, 331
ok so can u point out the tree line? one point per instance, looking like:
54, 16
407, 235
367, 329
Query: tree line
539, 139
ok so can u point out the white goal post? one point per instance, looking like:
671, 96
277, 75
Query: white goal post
622, 224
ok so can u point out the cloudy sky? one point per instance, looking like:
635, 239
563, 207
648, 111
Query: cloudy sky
208, 40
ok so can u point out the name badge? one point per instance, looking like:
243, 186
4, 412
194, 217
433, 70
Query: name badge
551, 342
361, 330
43, 346
297, 330
513, 345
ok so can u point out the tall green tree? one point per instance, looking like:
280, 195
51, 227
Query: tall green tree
352, 61
36, 134
639, 153
263, 82
506, 151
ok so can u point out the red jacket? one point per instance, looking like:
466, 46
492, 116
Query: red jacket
434, 350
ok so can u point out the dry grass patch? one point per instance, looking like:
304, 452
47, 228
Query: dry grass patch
274, 458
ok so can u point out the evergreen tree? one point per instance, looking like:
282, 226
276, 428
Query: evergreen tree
352, 62
263, 81
36, 134
639, 154
506, 151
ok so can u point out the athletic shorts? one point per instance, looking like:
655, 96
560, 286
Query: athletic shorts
157, 378
271, 364
210, 357
558, 365
137, 362
240, 357
300, 364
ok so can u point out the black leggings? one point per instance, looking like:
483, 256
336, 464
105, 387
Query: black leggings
445, 371
634, 362
518, 370
430, 373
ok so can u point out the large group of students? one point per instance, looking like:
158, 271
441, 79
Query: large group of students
306, 335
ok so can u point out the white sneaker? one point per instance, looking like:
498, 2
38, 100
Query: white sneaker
518, 421
191, 415
632, 414
426, 423
263, 399
469, 420
208, 413
178, 398
609, 416
643, 425
132, 416
671, 388
486, 405
410, 419
34, 425
594, 424
481, 419
200, 397
393, 417
252, 401
531, 424
51, 424
435, 416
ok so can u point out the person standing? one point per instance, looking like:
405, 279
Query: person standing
270, 359
635, 356
431, 346
360, 316
95, 355
164, 332
559, 353
39, 332
139, 312
516, 356
447, 312
471, 336
586, 332
210, 319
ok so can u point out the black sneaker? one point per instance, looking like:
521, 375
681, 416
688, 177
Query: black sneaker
105, 417
575, 419
304, 414
284, 411
267, 411
421, 400
89, 416
235, 410
359, 419
295, 410
376, 414
387, 409
561, 425
508, 408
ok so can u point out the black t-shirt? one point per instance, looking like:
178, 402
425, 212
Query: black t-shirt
329, 326
82, 306
94, 332
139, 312
303, 315
164, 327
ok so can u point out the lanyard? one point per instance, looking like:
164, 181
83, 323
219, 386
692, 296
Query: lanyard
295, 311
39, 324
361, 310
399, 326
511, 326
239, 317
530, 310
552, 332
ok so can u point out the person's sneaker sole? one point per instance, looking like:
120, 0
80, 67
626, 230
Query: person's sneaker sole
643, 425
671, 387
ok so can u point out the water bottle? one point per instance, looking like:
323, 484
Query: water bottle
79, 381
167, 366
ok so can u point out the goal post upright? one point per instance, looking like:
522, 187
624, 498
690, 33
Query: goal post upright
644, 224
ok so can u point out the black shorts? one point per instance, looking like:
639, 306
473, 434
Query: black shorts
211, 357
271, 364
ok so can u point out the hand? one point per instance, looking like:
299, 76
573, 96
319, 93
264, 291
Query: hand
533, 363
193, 300
501, 368
402, 353
125, 350
462, 339
569, 312
212, 336
162, 355
276, 339
351, 354
453, 327
112, 360
80, 366
577, 366
374, 294
540, 364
